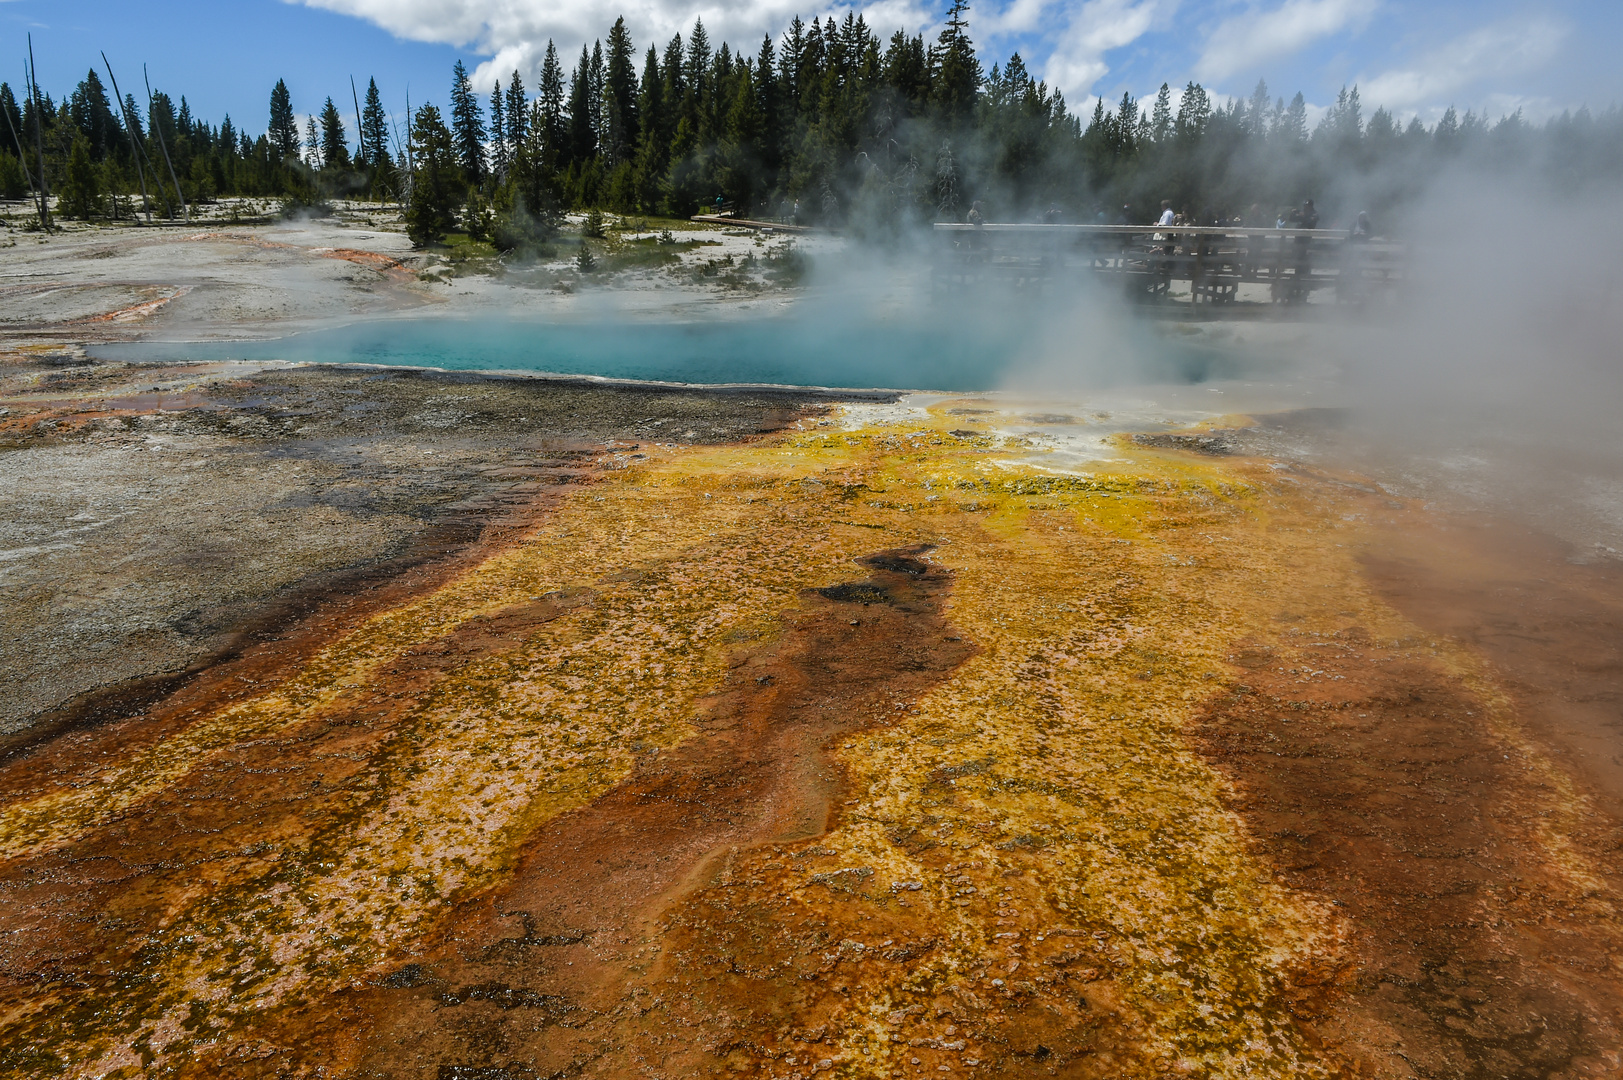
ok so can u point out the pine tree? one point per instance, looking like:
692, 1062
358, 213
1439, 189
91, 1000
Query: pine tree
1194, 112
312, 144
794, 50
582, 139
161, 118
1291, 125
334, 149
14, 182
673, 77
11, 119
550, 108
431, 212
698, 58
1446, 135
80, 196
1381, 129
1352, 116
467, 126
619, 97
1127, 127
498, 133
527, 206
375, 123
284, 126
957, 78
655, 138
92, 114
1161, 118
741, 131
134, 115
518, 115
595, 96
1257, 117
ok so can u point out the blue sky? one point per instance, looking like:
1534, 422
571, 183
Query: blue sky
1489, 55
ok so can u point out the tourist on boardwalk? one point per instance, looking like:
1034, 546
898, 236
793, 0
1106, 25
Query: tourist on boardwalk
977, 240
1166, 220
1301, 283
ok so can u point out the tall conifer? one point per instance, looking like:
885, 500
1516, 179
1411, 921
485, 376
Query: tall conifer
467, 126
518, 114
499, 154
375, 124
619, 97
431, 212
582, 140
334, 150
284, 126
550, 107
957, 70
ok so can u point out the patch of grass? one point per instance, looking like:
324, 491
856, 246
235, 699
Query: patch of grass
464, 255
655, 224
646, 253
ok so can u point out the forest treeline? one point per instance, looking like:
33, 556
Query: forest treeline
826, 123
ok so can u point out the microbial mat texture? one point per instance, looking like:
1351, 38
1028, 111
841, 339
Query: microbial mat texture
860, 753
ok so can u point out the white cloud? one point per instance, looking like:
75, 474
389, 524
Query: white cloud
514, 33
1492, 52
1019, 17
1097, 27
1240, 44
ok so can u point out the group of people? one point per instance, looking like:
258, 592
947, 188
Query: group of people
1305, 216
1296, 217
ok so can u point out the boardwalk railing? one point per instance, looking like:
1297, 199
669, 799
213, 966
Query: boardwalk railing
1215, 260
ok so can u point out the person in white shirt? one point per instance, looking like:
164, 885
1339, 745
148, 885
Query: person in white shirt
1167, 218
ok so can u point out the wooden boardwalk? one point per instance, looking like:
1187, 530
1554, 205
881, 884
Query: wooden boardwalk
750, 223
1289, 264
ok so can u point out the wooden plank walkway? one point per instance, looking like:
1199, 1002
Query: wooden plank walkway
750, 223
1216, 260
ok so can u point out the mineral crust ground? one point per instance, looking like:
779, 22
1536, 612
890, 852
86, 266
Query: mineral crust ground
390, 724
857, 750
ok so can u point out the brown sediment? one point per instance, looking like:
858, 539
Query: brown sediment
390, 268
666, 789
88, 905
540, 968
136, 312
1549, 620
1400, 790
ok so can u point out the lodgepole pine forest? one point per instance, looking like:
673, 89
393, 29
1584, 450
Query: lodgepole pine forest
828, 123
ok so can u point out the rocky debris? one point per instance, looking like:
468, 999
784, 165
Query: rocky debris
1208, 442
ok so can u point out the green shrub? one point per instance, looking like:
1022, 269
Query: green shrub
13, 181
477, 219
